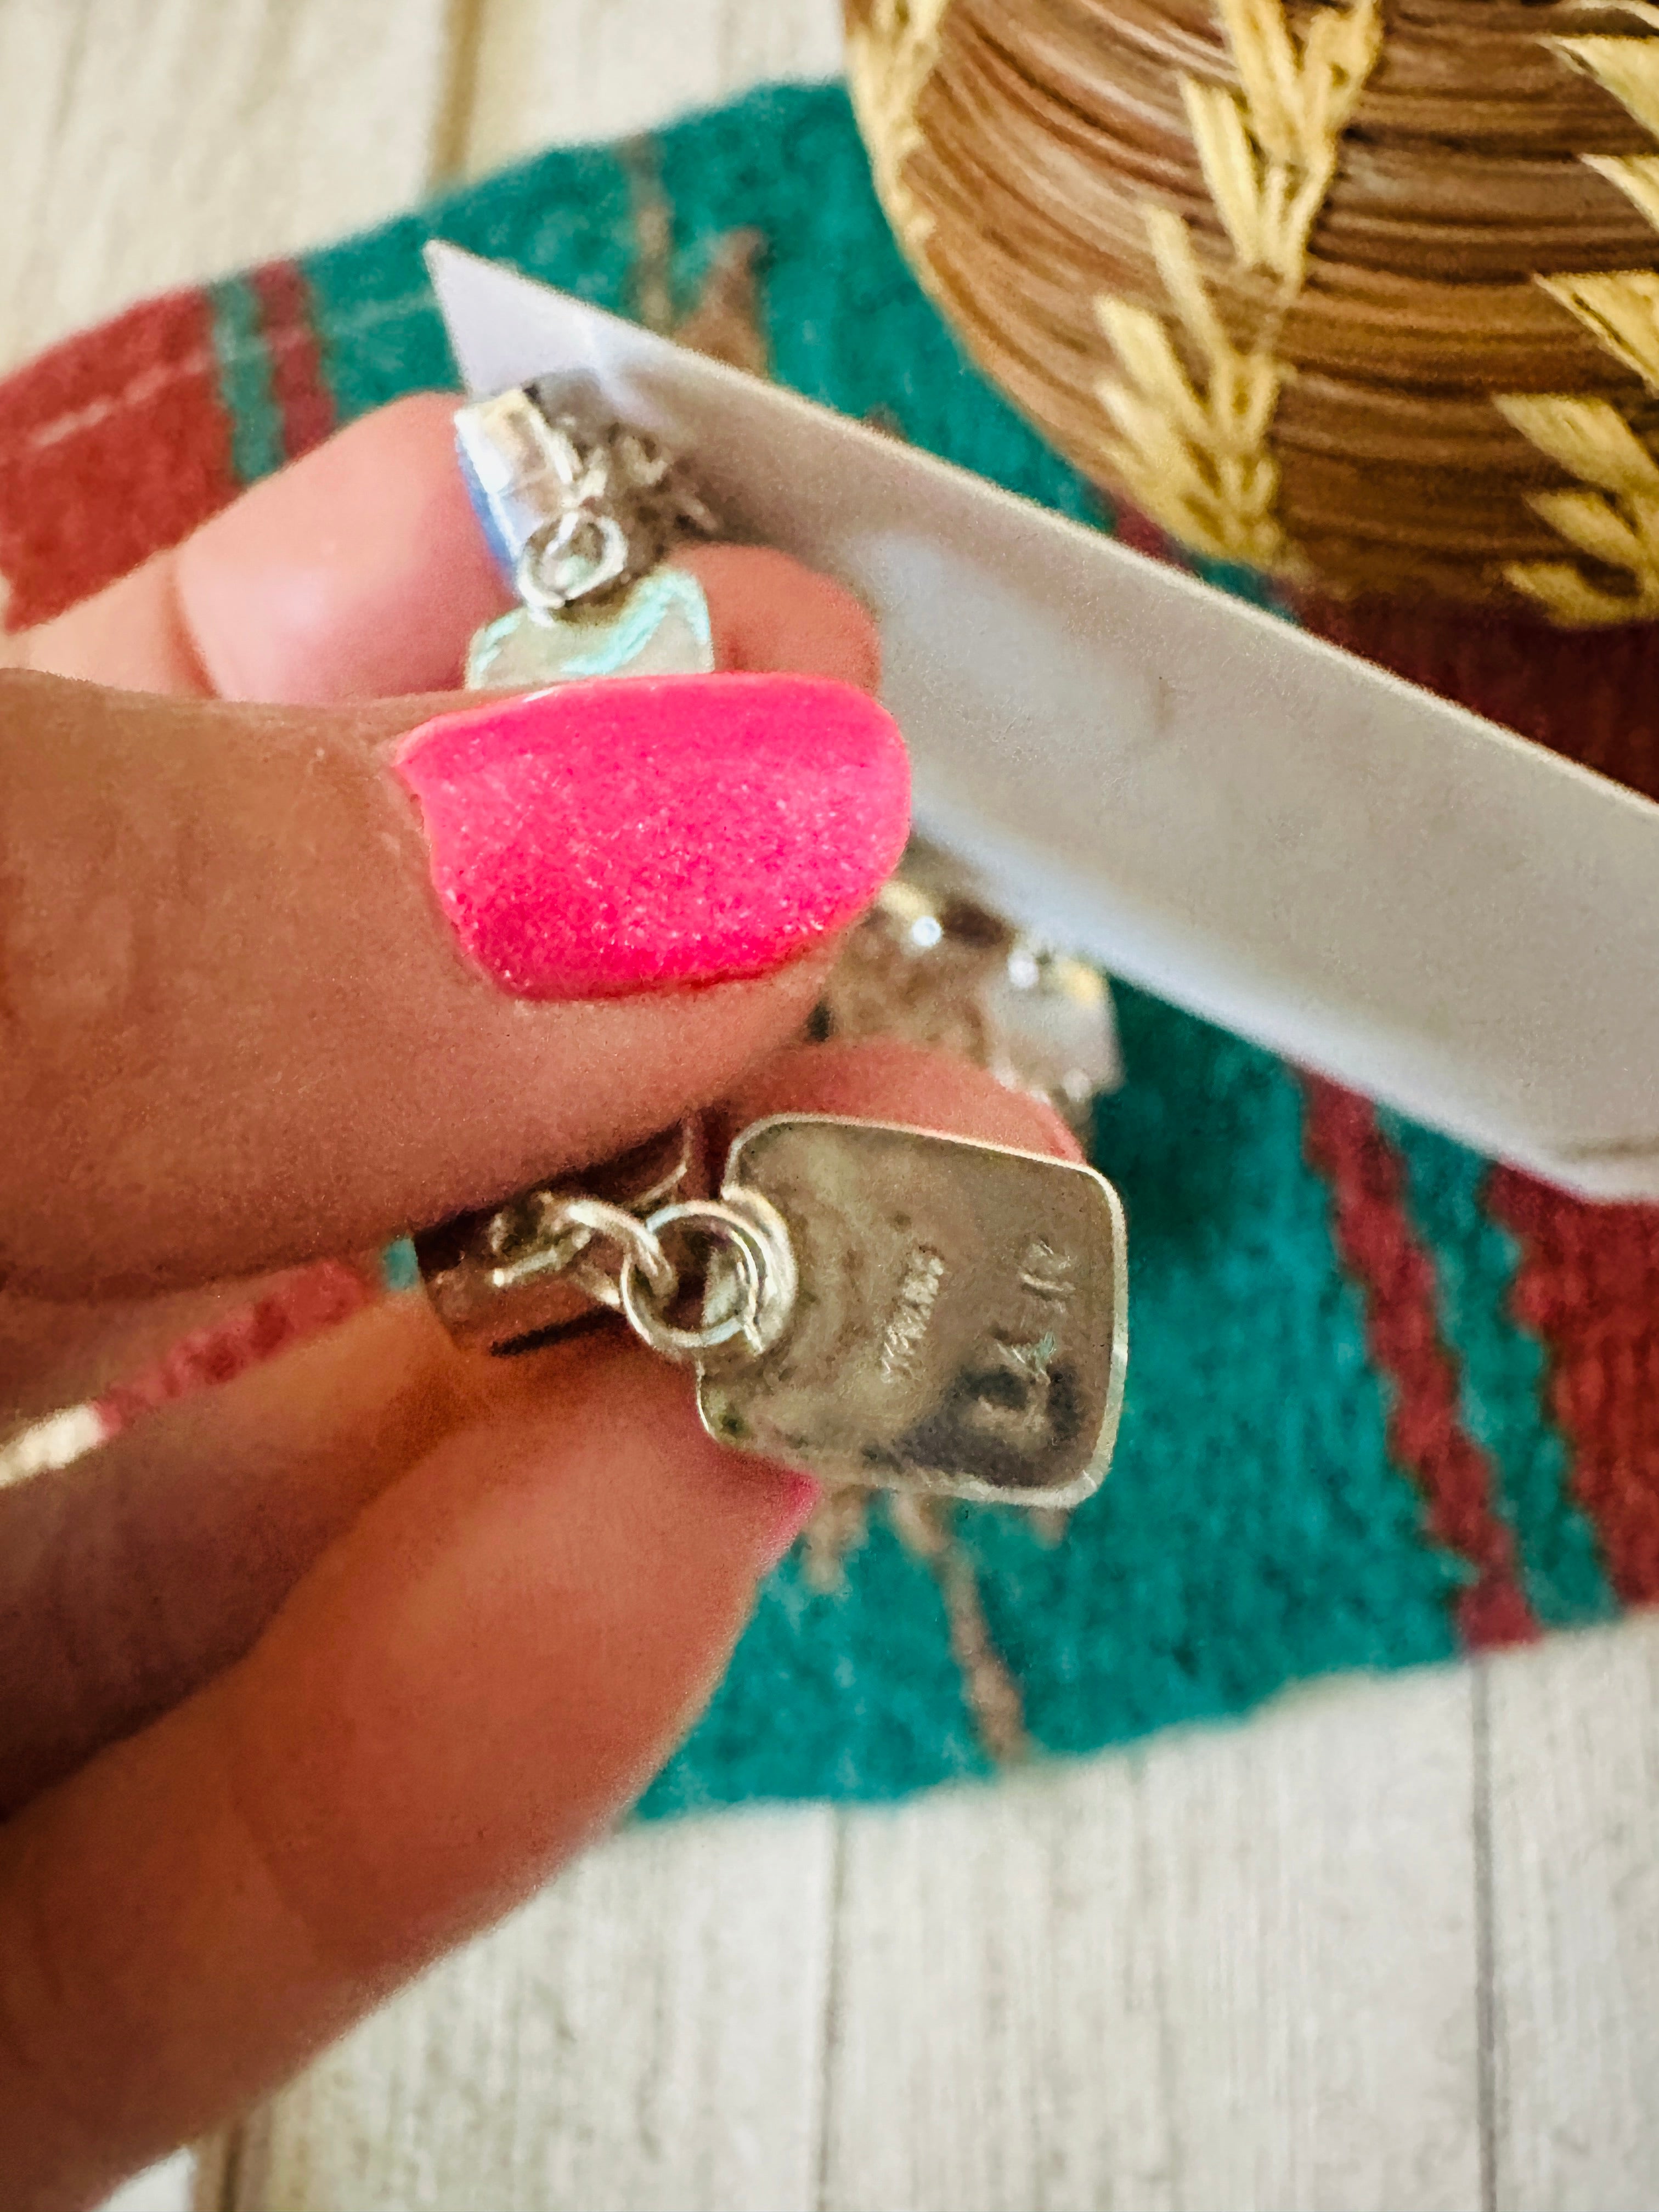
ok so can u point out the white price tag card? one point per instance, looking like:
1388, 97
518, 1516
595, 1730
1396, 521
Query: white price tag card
1241, 817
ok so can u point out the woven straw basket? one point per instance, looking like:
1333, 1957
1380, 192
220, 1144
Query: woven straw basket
1364, 293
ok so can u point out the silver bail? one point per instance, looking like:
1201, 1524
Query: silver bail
581, 515
576, 508
517, 469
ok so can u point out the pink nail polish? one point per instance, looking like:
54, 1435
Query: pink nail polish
628, 835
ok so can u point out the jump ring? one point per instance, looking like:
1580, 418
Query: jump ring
641, 1249
553, 542
723, 1224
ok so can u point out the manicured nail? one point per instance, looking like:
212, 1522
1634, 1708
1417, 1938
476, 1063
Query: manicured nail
632, 835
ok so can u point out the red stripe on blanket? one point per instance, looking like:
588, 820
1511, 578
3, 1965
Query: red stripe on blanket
304, 402
1588, 1283
112, 445
1592, 695
1395, 1271
294, 1307
1142, 534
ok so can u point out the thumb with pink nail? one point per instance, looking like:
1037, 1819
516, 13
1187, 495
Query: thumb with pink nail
308, 1675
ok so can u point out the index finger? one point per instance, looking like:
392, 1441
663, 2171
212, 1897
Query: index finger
494, 1655
280, 982
226, 979
360, 573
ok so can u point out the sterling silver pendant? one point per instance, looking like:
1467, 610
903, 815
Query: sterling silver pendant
960, 1322
876, 1305
582, 517
657, 627
934, 964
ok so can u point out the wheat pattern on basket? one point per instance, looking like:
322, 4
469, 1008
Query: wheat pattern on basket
1362, 295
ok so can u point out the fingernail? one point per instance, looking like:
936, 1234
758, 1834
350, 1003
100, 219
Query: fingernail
628, 835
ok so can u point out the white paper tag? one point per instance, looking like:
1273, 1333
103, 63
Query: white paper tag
1241, 817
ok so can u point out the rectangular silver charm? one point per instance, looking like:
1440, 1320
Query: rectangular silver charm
960, 1324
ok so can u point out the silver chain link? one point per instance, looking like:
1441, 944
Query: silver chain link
622, 501
749, 1274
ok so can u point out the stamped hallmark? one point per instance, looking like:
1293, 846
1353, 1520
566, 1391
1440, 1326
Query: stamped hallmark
961, 1326
918, 1294
1045, 1271
1021, 1356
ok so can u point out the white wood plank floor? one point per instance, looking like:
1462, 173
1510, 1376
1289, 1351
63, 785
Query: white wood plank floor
151, 143
1392, 1947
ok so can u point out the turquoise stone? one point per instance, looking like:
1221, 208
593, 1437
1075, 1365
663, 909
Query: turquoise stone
659, 626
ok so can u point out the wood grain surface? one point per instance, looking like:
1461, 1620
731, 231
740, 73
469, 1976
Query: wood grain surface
1172, 1979
666, 1997
1572, 1791
145, 143
602, 69
1391, 1948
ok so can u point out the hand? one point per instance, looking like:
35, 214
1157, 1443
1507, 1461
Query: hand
310, 1676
